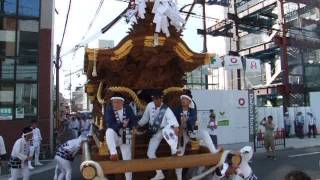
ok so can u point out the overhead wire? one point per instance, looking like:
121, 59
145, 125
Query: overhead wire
66, 23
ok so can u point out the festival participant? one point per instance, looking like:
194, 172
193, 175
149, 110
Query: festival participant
20, 156
65, 156
159, 117
36, 142
74, 126
120, 120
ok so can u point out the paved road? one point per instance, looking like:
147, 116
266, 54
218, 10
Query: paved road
306, 159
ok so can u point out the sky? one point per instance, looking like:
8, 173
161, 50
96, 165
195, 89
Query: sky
81, 13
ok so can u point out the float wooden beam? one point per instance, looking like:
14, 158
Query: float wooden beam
142, 165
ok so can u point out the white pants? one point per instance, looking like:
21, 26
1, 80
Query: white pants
113, 140
21, 172
153, 146
65, 168
35, 150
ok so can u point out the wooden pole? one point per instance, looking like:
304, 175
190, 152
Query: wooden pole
173, 162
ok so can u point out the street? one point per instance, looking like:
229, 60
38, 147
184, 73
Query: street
306, 159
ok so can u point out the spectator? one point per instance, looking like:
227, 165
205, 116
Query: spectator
300, 123
311, 124
212, 126
287, 124
297, 175
269, 136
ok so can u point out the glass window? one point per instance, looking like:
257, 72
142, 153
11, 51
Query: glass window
6, 101
26, 100
8, 7
27, 69
6, 68
312, 73
7, 36
28, 37
29, 8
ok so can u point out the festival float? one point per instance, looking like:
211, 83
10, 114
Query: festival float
152, 56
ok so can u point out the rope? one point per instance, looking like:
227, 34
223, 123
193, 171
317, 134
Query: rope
204, 174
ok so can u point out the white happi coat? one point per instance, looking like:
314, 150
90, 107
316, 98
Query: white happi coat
152, 112
20, 150
63, 165
169, 119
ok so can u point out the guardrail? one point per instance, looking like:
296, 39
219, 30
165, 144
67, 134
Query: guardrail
279, 139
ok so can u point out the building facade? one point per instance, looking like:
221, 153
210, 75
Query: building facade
25, 66
285, 36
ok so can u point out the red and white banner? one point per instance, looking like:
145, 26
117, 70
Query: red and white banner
232, 62
253, 65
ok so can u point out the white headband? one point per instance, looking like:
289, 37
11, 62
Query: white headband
185, 96
116, 98
24, 134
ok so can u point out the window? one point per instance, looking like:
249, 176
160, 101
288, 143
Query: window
26, 100
312, 73
27, 69
29, 8
7, 36
6, 101
6, 68
28, 38
197, 79
8, 7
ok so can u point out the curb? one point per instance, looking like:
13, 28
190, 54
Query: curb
49, 166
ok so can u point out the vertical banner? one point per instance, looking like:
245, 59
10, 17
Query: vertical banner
232, 62
253, 65
252, 115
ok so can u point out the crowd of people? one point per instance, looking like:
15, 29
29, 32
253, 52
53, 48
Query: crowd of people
299, 123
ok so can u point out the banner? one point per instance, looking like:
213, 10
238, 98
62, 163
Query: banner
232, 62
216, 63
253, 65
252, 115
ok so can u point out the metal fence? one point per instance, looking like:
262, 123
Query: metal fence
279, 139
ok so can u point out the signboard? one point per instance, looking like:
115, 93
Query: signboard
19, 112
5, 114
252, 115
232, 62
231, 117
253, 65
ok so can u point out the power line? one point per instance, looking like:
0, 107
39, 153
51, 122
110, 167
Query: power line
93, 19
65, 24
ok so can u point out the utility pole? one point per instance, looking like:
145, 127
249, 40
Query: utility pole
57, 66
70, 91
284, 56
204, 26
